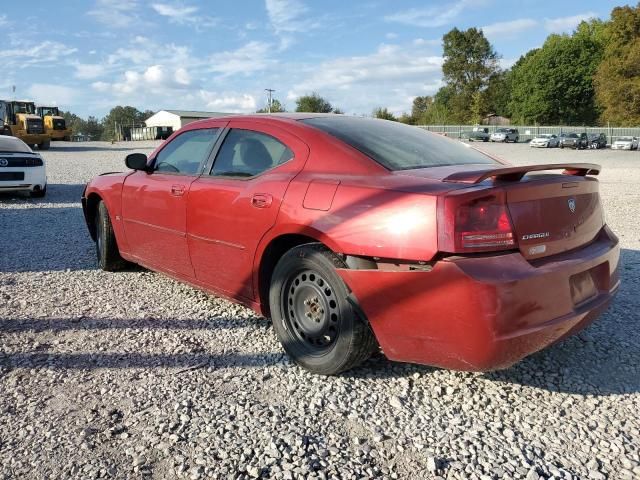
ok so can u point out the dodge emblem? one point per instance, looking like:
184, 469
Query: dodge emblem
572, 205
4, 162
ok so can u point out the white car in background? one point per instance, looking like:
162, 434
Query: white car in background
20, 168
625, 143
545, 140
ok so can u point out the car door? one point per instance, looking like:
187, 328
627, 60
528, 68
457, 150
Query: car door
233, 204
154, 203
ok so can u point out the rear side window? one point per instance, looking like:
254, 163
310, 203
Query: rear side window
186, 152
246, 153
397, 146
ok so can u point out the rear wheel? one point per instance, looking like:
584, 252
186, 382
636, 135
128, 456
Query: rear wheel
109, 258
45, 145
315, 322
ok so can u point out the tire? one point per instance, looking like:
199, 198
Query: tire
6, 131
109, 258
516, 140
315, 322
39, 193
45, 145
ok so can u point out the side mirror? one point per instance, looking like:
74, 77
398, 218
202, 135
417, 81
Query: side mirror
136, 161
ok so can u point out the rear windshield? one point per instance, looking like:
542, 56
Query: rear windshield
397, 146
11, 144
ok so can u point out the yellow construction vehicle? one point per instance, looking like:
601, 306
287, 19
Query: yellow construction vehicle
18, 118
54, 123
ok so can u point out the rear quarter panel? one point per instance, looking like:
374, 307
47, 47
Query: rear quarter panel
109, 188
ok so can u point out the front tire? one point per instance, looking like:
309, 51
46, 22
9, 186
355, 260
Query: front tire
315, 322
109, 258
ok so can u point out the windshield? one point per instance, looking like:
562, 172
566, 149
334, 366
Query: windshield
625, 139
53, 111
24, 107
502, 130
11, 144
544, 135
397, 146
573, 135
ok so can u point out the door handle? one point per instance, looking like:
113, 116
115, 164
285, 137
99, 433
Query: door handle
261, 200
177, 190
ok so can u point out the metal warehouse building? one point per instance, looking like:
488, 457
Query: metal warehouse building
178, 118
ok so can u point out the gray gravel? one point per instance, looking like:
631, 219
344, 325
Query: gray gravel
133, 375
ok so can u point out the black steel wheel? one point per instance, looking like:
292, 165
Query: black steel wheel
315, 322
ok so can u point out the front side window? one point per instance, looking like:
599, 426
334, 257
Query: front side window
245, 153
185, 153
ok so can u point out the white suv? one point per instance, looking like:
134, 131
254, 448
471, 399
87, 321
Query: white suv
20, 168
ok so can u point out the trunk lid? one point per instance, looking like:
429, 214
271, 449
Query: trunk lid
549, 213
552, 213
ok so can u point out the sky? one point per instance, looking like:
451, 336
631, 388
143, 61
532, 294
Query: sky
88, 56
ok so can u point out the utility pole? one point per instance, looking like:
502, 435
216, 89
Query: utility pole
269, 92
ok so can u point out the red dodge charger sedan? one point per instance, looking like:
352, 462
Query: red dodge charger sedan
355, 234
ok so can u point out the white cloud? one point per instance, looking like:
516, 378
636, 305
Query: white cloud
287, 17
87, 71
434, 16
510, 28
182, 77
390, 76
231, 103
3, 20
250, 58
21, 55
115, 13
184, 15
52, 94
566, 24
100, 86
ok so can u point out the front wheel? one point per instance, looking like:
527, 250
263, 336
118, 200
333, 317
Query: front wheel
109, 258
312, 316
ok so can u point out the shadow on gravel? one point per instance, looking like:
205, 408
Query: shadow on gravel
83, 361
97, 148
57, 325
56, 193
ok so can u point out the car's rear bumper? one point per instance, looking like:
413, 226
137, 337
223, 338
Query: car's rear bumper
485, 313
33, 176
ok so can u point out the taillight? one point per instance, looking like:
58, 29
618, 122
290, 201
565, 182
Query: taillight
475, 225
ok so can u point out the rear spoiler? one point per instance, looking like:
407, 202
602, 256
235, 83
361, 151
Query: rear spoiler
515, 174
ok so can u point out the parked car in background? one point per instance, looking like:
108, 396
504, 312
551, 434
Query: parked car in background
545, 140
625, 143
569, 140
432, 251
592, 140
479, 134
21, 169
505, 135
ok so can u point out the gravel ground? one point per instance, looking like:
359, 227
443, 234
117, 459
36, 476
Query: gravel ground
133, 375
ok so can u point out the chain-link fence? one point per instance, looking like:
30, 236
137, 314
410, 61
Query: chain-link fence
528, 132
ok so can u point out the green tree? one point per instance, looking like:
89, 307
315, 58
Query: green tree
406, 118
313, 103
469, 63
122, 116
419, 109
384, 114
276, 107
554, 84
617, 78
93, 128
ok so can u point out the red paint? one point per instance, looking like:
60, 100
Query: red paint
469, 312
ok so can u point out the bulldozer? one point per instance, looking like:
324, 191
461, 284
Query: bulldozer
18, 118
54, 123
